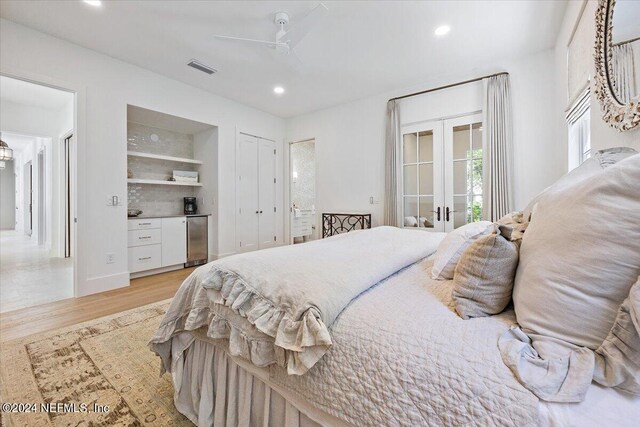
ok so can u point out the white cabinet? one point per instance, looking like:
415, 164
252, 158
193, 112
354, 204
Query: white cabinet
156, 243
144, 258
301, 223
255, 193
174, 241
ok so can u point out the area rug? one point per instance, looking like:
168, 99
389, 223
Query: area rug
97, 373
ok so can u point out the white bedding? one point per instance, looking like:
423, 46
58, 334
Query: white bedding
291, 294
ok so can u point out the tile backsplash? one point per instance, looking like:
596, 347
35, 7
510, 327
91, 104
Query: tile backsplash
157, 199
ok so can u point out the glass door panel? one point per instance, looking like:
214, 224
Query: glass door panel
410, 209
425, 146
410, 180
410, 148
426, 210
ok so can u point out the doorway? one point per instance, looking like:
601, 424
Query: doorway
35, 267
302, 191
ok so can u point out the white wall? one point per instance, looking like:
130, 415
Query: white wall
350, 137
575, 47
107, 86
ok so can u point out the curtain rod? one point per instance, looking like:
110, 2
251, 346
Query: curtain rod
627, 41
447, 86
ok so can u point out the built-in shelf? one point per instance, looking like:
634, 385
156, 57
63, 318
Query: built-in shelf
161, 157
160, 182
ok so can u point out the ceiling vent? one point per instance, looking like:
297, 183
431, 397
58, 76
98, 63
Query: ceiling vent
201, 67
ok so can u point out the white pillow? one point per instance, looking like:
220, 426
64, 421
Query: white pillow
454, 244
596, 164
578, 260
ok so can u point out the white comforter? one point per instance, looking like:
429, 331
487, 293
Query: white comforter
275, 306
401, 356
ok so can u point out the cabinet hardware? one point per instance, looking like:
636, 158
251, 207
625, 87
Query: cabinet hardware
145, 258
144, 237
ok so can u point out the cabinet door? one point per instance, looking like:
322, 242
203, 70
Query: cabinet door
174, 241
248, 209
267, 193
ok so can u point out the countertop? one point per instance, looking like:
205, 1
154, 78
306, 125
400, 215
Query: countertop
166, 216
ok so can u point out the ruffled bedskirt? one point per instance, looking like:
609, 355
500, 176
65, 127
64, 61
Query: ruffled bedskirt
211, 389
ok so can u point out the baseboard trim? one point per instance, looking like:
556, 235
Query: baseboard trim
156, 271
103, 284
214, 257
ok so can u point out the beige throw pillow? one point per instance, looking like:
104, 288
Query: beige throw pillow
483, 279
579, 258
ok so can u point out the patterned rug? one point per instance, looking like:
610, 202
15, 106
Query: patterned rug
68, 377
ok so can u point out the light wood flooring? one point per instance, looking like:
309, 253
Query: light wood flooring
145, 290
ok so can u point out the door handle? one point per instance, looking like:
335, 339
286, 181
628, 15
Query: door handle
448, 212
437, 212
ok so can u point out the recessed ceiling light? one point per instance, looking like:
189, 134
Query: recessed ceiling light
442, 30
93, 2
279, 90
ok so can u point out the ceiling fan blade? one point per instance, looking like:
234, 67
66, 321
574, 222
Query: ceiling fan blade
240, 39
297, 32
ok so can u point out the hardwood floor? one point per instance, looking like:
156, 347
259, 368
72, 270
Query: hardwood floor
41, 318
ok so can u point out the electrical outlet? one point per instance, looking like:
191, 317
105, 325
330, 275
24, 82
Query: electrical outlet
111, 258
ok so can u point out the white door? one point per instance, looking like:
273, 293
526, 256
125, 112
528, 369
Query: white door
248, 209
267, 193
462, 170
422, 195
174, 241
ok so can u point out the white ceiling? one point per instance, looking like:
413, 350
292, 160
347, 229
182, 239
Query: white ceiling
31, 94
360, 49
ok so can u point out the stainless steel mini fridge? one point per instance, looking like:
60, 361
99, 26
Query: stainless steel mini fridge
197, 240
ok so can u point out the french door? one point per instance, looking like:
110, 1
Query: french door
442, 173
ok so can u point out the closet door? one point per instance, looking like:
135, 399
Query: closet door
248, 210
422, 187
462, 170
267, 193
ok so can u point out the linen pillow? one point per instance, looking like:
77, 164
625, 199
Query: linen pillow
579, 258
454, 244
483, 279
617, 361
594, 165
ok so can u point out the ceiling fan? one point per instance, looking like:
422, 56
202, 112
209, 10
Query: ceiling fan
286, 39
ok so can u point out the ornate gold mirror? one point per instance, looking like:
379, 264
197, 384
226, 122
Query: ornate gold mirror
617, 59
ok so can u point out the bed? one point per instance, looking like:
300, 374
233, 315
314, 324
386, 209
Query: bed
398, 355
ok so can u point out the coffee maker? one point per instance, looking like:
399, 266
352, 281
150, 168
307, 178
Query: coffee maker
190, 206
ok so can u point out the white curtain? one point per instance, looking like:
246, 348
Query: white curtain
497, 148
392, 208
623, 72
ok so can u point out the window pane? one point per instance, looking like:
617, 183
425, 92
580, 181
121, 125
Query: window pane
460, 211
461, 143
410, 211
426, 218
476, 209
426, 178
410, 180
460, 177
476, 135
410, 150
425, 141
476, 177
